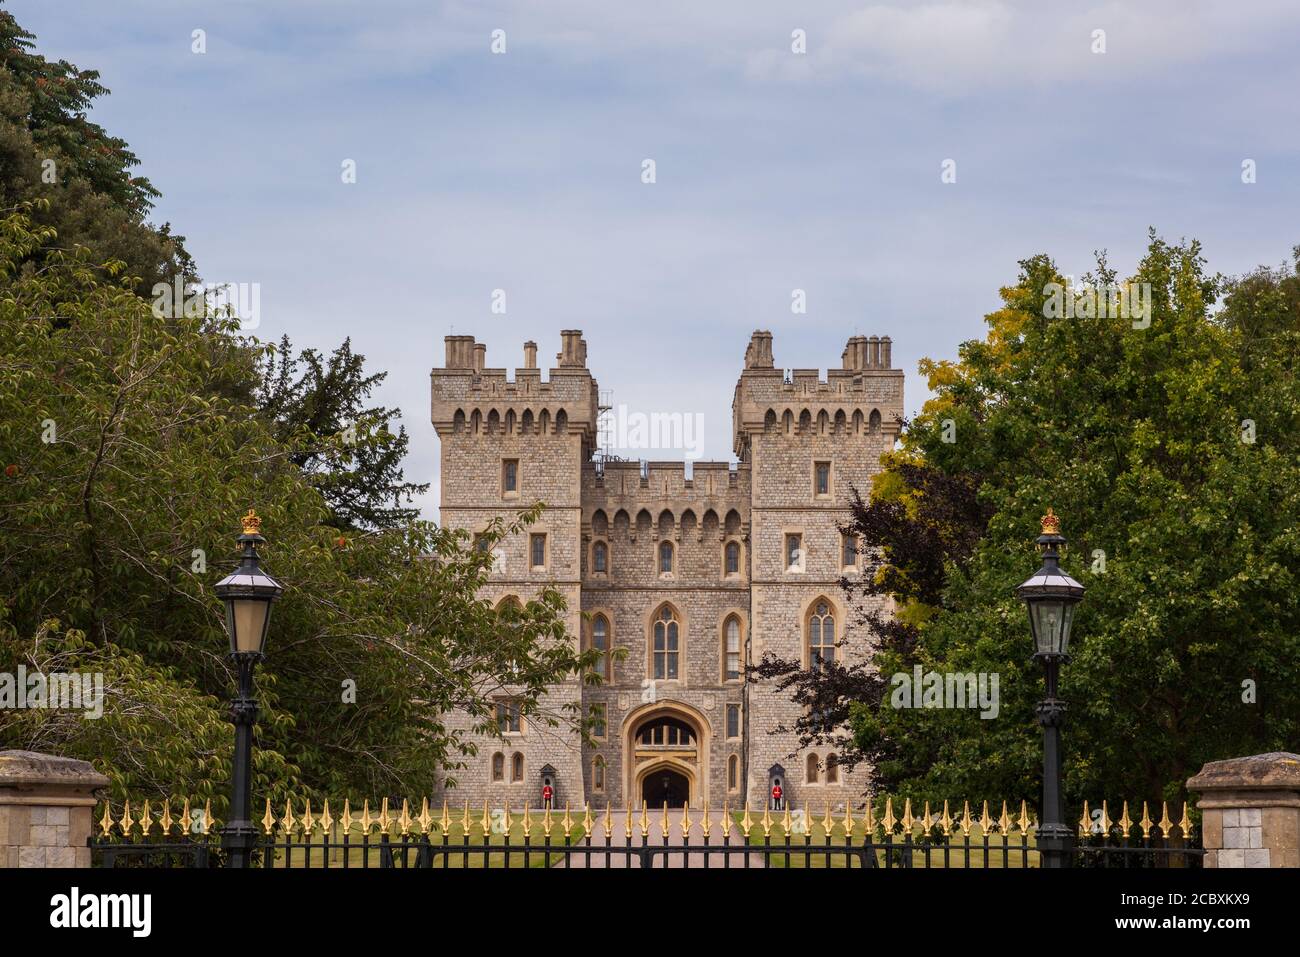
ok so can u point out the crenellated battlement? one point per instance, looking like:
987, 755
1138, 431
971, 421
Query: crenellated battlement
864, 397
633, 485
655, 500
467, 395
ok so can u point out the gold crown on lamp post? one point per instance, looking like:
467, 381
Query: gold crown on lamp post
252, 524
1051, 525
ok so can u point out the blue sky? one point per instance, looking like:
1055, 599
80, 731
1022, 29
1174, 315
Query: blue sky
775, 170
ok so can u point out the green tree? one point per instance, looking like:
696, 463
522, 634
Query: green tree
49, 150
1170, 452
121, 482
343, 445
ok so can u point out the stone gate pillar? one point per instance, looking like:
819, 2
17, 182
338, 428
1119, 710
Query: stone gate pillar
46, 805
1251, 809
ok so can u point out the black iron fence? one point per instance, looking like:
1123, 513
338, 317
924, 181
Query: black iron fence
640, 838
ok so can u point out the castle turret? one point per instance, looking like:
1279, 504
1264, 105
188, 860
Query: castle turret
505, 445
809, 442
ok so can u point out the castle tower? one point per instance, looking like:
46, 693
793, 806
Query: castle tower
507, 444
807, 442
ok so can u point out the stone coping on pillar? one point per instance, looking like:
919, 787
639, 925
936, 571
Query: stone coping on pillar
1250, 810
27, 774
1262, 779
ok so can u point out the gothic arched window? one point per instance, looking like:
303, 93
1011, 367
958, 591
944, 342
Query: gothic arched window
665, 647
600, 642
731, 649
821, 634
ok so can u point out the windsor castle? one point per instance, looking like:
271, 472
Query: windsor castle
692, 578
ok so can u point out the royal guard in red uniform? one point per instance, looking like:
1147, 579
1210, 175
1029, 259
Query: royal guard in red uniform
776, 797
547, 793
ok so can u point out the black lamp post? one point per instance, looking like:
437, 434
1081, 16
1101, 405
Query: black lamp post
1050, 595
248, 593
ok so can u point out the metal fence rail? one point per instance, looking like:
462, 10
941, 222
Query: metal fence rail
641, 838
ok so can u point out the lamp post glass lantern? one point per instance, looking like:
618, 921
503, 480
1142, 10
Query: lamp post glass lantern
248, 593
1050, 596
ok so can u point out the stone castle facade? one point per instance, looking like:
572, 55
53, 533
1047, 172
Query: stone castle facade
694, 578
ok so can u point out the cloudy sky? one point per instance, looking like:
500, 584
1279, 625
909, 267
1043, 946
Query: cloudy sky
775, 170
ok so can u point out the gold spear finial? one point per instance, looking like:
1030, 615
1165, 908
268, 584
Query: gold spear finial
252, 524
1050, 524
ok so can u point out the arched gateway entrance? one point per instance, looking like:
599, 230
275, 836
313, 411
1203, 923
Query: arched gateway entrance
667, 745
665, 786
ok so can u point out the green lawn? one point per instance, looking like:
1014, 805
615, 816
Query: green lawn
962, 851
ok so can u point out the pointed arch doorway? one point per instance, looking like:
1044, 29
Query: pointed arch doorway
667, 748
665, 786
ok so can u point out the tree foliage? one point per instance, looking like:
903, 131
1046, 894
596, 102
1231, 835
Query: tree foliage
121, 482
50, 150
343, 446
1170, 452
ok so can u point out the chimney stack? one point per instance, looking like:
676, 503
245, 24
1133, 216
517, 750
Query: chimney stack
873, 352
886, 346
759, 353
459, 352
573, 349
530, 355
480, 356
